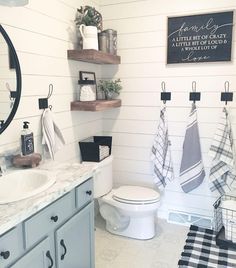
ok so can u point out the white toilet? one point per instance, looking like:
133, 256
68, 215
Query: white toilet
128, 210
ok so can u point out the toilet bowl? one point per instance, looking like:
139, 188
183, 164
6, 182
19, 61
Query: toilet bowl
128, 210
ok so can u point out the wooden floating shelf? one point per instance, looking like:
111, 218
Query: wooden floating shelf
93, 56
98, 105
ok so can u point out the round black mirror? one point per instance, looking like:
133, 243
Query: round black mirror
10, 80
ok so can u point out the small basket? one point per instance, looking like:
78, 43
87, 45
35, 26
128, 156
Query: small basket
225, 222
90, 148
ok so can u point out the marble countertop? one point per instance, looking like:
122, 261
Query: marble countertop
68, 176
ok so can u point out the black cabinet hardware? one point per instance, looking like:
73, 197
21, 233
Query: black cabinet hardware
50, 258
62, 243
54, 218
89, 192
5, 254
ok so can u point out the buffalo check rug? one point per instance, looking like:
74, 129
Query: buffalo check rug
201, 251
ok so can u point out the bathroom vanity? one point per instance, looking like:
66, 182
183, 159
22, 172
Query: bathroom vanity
54, 228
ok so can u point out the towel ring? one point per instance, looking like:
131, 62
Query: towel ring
194, 96
43, 102
165, 95
226, 95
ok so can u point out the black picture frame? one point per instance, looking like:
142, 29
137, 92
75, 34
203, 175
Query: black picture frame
87, 78
200, 38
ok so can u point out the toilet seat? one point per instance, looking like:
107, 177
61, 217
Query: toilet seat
136, 195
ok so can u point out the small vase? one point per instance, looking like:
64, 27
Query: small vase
108, 95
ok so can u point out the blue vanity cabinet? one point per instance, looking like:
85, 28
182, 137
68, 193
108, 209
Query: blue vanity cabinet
11, 246
39, 257
75, 240
60, 235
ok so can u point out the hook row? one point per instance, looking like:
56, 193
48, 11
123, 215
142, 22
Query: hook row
196, 96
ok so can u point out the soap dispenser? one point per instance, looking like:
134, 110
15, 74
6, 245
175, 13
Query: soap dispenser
27, 140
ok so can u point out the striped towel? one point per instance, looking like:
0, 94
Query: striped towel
52, 137
191, 170
161, 157
222, 172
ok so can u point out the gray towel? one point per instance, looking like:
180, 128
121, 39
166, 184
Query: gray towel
191, 170
222, 173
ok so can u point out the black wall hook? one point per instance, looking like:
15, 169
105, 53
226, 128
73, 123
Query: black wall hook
43, 102
165, 95
226, 96
194, 96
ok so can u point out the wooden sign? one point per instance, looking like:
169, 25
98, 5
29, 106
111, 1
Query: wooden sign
200, 38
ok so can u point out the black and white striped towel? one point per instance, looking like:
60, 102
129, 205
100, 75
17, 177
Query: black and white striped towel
222, 172
161, 156
191, 170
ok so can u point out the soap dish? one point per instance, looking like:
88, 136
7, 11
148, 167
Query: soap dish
31, 160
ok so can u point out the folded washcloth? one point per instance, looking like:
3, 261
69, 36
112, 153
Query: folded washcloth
52, 137
191, 170
161, 157
222, 172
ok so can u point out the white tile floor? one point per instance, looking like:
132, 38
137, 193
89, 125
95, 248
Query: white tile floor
163, 251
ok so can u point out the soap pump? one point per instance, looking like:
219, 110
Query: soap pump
27, 140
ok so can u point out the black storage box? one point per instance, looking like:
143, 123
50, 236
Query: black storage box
89, 147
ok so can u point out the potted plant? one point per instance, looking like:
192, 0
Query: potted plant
110, 88
89, 22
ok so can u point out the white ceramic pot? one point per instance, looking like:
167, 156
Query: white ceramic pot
90, 36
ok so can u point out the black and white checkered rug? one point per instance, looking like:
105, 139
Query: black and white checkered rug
201, 251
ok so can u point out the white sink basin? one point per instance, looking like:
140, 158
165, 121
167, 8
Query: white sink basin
22, 184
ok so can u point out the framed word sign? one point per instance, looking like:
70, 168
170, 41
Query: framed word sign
200, 38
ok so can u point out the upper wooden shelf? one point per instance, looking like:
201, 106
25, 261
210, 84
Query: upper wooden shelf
93, 56
98, 105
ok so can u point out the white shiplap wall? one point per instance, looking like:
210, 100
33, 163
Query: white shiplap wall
41, 33
142, 34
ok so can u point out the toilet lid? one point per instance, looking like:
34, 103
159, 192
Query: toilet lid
136, 195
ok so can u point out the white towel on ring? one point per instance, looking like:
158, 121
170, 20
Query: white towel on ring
161, 156
52, 136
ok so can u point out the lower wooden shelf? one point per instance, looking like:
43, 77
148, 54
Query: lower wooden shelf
98, 105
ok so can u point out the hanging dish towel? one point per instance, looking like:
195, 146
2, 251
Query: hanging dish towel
161, 156
222, 172
52, 137
191, 170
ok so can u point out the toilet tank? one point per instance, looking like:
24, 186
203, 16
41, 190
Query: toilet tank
103, 177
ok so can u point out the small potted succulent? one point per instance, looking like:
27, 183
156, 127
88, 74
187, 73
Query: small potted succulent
89, 22
110, 88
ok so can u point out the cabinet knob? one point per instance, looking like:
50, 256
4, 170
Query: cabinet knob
5, 254
54, 218
89, 192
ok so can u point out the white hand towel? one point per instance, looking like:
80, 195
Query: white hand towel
191, 170
52, 137
222, 172
161, 156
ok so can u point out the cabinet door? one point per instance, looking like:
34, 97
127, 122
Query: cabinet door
40, 257
75, 240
